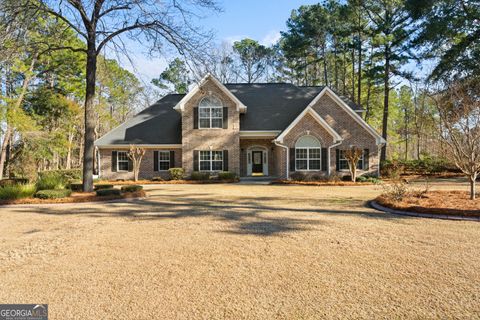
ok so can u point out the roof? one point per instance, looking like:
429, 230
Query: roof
271, 106
158, 124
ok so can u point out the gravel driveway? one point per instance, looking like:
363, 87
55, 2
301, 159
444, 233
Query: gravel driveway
239, 252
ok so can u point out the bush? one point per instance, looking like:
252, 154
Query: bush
158, 179
17, 191
131, 188
197, 175
102, 186
77, 187
12, 181
395, 191
66, 175
346, 177
367, 178
392, 169
53, 194
108, 192
298, 176
227, 175
51, 181
176, 173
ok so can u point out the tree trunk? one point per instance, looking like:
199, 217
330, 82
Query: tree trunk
325, 73
89, 117
472, 187
3, 154
359, 71
386, 83
353, 73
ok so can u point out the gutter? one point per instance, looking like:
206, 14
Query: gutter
288, 156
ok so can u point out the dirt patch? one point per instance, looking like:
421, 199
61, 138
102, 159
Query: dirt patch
76, 197
435, 202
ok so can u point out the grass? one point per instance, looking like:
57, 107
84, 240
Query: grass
240, 252
17, 191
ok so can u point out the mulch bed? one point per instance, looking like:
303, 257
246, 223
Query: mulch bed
436, 202
75, 198
322, 183
128, 182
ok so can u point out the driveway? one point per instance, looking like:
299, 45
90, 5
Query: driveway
239, 252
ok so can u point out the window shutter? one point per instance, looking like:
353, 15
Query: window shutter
366, 154
172, 159
337, 159
195, 160
324, 159
195, 118
225, 160
114, 161
130, 165
225, 117
292, 159
155, 160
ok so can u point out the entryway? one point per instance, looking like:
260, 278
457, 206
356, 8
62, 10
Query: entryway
257, 161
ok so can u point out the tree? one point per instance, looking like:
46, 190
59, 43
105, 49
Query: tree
353, 155
459, 110
177, 75
136, 155
104, 23
253, 57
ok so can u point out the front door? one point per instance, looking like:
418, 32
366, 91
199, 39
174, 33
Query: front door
257, 163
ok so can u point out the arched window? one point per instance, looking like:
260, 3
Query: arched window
307, 153
210, 113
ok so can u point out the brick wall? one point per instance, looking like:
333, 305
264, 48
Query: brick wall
146, 167
211, 139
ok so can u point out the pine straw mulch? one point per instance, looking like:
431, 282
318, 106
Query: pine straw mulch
435, 202
75, 198
129, 182
321, 183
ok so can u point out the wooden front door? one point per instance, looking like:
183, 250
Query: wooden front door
257, 161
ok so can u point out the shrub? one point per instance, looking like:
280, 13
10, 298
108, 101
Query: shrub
297, 176
131, 188
17, 191
346, 177
334, 177
77, 187
395, 191
227, 175
158, 179
51, 181
108, 192
12, 181
66, 175
102, 186
176, 173
197, 175
392, 169
53, 194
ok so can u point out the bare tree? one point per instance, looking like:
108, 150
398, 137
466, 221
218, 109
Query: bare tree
102, 23
136, 155
353, 155
459, 110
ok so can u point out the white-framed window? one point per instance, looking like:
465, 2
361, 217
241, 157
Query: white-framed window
163, 160
122, 161
211, 161
210, 113
307, 154
343, 162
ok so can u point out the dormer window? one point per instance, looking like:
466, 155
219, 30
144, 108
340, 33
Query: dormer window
210, 113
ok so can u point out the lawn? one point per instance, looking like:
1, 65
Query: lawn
239, 252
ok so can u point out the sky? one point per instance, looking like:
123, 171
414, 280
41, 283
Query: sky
261, 20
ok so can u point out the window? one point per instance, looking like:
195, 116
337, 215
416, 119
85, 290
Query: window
163, 160
122, 161
210, 113
307, 153
211, 161
343, 162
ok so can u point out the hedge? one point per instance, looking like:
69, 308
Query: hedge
197, 175
102, 186
227, 175
53, 194
131, 188
17, 191
176, 173
108, 192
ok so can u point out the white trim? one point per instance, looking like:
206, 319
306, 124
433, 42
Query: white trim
317, 117
353, 114
180, 106
308, 159
118, 167
209, 161
259, 133
158, 160
264, 159
146, 146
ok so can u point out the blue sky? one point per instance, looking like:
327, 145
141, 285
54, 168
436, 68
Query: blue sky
261, 20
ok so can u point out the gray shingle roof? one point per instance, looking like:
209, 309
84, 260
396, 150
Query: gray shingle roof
270, 106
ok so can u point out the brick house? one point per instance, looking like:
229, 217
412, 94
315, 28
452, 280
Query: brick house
271, 129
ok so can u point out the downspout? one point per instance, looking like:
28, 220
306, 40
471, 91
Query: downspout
288, 156
99, 163
329, 154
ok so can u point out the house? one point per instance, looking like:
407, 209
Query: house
272, 129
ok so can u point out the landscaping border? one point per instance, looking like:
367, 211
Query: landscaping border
375, 205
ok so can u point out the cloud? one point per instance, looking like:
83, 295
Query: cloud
270, 38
